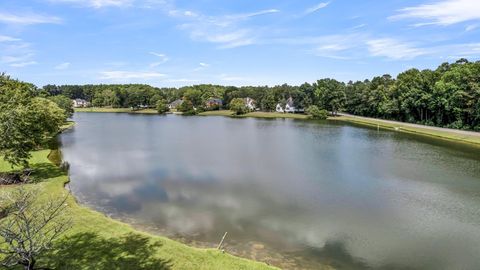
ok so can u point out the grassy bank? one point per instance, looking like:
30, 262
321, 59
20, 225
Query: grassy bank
404, 127
116, 110
256, 114
98, 242
207, 113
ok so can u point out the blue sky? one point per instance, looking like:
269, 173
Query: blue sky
243, 42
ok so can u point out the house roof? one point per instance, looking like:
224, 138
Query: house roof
290, 102
217, 100
176, 102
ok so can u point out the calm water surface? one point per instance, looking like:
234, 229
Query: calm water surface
296, 194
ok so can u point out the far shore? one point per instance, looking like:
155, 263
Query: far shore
469, 137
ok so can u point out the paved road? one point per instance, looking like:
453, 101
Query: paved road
400, 124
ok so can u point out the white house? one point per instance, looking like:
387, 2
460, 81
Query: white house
250, 103
289, 107
79, 103
279, 108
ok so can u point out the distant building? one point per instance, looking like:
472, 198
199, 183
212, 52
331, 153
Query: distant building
279, 108
250, 103
290, 107
175, 104
214, 102
80, 103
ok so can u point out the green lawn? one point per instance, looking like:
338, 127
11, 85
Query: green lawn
115, 110
98, 242
398, 126
256, 114
217, 113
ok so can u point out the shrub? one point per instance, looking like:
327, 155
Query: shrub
317, 113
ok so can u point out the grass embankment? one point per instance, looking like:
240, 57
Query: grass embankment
116, 110
416, 129
98, 242
256, 114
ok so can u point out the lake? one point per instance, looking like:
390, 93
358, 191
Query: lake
296, 194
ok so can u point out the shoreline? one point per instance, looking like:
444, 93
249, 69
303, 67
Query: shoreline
470, 138
465, 137
87, 221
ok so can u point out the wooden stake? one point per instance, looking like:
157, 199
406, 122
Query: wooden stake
221, 242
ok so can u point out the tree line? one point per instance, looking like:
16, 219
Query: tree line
447, 96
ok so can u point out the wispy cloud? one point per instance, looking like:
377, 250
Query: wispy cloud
23, 64
28, 18
8, 39
230, 78
359, 26
471, 27
229, 31
394, 49
162, 59
119, 75
98, 3
16, 53
445, 12
316, 7
182, 80
62, 66
202, 66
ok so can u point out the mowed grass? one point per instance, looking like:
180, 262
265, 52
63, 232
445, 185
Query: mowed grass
398, 126
115, 110
255, 114
98, 242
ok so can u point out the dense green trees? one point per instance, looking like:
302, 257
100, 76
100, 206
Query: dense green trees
316, 113
161, 106
237, 105
330, 94
446, 97
64, 103
26, 120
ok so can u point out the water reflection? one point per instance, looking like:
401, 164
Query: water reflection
296, 194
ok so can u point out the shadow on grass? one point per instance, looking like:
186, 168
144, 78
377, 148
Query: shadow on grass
91, 251
43, 171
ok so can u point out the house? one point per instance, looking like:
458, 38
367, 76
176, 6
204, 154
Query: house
214, 102
79, 103
249, 103
290, 107
279, 108
175, 104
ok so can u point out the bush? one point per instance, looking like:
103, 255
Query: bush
317, 113
237, 105
161, 106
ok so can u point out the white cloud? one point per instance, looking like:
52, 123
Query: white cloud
23, 64
182, 80
18, 58
359, 26
445, 12
99, 3
28, 19
162, 59
471, 27
8, 39
229, 78
62, 66
118, 75
228, 31
317, 7
202, 66
393, 49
